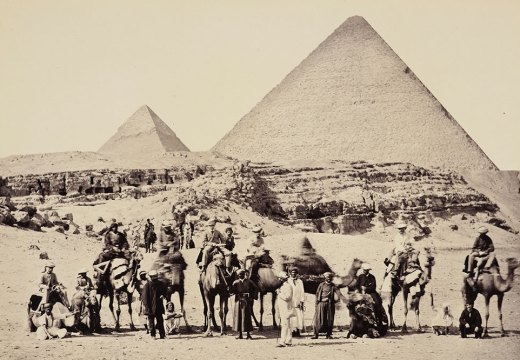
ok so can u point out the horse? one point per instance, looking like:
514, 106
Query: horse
171, 268
121, 277
389, 293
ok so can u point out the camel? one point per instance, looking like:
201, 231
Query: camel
397, 286
122, 278
171, 273
490, 284
212, 284
266, 282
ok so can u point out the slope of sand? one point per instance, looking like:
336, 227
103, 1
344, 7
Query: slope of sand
21, 267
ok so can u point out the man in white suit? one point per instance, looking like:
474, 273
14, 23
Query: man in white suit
298, 301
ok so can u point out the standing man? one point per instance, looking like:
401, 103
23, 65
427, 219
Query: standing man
470, 322
482, 251
326, 297
242, 312
298, 302
153, 308
285, 310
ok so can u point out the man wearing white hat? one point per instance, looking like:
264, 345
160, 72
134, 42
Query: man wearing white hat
396, 258
255, 252
285, 310
482, 251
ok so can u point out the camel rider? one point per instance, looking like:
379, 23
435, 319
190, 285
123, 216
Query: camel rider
116, 245
167, 239
213, 239
51, 288
413, 269
255, 252
84, 283
397, 256
482, 251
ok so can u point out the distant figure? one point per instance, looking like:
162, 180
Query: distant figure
443, 321
326, 297
149, 236
153, 308
482, 252
470, 322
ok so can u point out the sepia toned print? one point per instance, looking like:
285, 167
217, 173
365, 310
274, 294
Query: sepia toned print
348, 213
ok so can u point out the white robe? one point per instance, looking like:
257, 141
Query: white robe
297, 298
285, 312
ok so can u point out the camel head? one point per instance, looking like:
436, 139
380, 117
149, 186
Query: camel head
356, 264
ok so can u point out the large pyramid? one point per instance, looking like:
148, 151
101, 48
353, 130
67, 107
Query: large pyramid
353, 99
142, 135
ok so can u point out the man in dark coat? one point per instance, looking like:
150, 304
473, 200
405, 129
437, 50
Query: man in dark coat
470, 322
153, 308
243, 289
366, 284
482, 251
326, 297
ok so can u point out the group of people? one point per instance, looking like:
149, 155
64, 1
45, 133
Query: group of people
402, 262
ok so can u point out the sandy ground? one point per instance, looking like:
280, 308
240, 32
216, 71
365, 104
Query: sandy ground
21, 267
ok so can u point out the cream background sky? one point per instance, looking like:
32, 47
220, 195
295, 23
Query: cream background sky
72, 71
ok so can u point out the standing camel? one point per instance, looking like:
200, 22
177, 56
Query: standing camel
171, 273
266, 282
490, 284
121, 278
397, 286
211, 284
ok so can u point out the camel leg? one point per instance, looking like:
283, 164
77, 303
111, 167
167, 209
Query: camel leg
487, 298
417, 320
405, 306
223, 314
253, 314
181, 300
111, 307
210, 300
391, 312
500, 298
129, 297
273, 309
261, 299
117, 313
205, 305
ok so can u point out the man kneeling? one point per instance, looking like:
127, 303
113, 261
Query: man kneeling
470, 322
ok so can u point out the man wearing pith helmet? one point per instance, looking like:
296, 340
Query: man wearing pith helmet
483, 252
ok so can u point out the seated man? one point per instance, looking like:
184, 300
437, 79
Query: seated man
397, 256
255, 252
47, 329
84, 283
470, 322
482, 251
213, 240
412, 269
116, 245
52, 289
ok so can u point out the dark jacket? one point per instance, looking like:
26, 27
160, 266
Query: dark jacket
151, 298
472, 318
483, 243
368, 281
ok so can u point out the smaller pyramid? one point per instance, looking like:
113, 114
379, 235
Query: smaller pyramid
142, 135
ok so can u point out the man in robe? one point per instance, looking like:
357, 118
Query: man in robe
298, 302
285, 310
47, 328
242, 312
326, 297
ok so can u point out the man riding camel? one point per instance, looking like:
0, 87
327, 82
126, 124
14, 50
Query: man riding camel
482, 252
255, 252
398, 255
51, 288
168, 241
116, 245
213, 239
84, 283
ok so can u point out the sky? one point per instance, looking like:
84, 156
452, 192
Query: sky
71, 72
